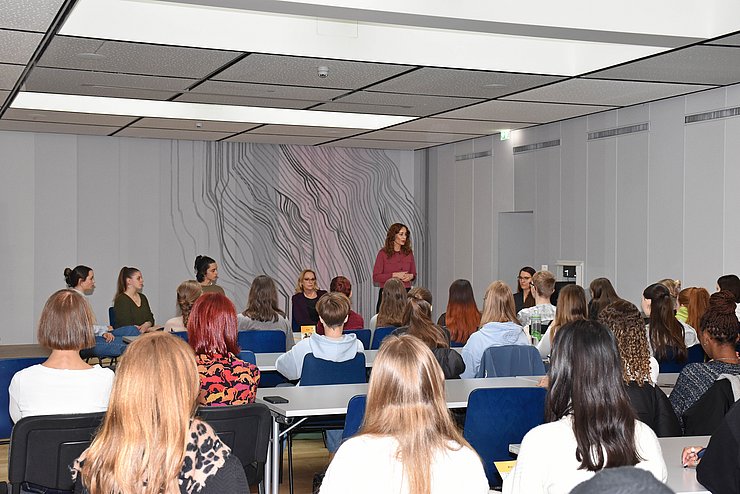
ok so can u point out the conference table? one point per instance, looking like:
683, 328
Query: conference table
315, 401
681, 480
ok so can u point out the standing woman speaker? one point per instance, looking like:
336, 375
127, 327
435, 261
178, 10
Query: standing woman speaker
395, 259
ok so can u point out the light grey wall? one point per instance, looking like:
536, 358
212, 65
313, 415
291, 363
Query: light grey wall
156, 204
636, 208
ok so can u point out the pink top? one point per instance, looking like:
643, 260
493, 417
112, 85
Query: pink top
385, 267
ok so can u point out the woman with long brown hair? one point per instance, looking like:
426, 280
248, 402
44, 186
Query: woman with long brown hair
602, 294
392, 306
408, 439
669, 338
262, 310
692, 303
395, 259
187, 293
499, 326
131, 307
150, 441
571, 307
462, 316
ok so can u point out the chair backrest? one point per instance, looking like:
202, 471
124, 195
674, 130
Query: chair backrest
318, 372
379, 335
248, 356
181, 334
456, 344
671, 365
362, 334
355, 415
42, 448
511, 360
246, 430
262, 340
8, 368
112, 316
497, 417
706, 414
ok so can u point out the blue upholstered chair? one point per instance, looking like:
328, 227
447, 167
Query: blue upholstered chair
363, 335
181, 334
248, 356
355, 415
8, 368
112, 316
318, 372
379, 335
262, 341
511, 360
497, 417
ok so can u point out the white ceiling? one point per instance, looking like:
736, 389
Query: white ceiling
458, 70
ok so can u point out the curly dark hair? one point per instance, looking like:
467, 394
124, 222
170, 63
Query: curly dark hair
625, 321
720, 321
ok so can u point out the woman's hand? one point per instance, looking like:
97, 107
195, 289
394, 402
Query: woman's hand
400, 275
691, 456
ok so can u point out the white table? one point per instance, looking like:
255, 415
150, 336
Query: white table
312, 401
681, 480
667, 382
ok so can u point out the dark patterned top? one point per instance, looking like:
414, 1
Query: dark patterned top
226, 380
695, 380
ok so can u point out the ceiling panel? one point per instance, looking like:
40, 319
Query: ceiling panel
17, 46
218, 99
9, 75
448, 125
470, 83
3, 96
104, 84
278, 139
205, 125
604, 92
267, 95
517, 111
733, 40
55, 128
297, 130
187, 135
298, 71
67, 117
371, 144
407, 135
28, 15
395, 104
698, 64
133, 58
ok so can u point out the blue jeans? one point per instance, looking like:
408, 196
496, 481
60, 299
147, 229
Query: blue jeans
116, 347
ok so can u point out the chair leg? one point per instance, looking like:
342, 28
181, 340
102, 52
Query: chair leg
290, 462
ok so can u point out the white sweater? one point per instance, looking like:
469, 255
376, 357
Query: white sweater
547, 459
368, 465
39, 390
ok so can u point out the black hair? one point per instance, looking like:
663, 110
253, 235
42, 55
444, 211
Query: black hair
730, 282
73, 276
666, 333
586, 383
201, 266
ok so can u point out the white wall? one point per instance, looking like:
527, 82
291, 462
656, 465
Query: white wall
156, 204
636, 208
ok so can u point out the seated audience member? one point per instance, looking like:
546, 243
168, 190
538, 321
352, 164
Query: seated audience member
206, 273
462, 316
524, 298
571, 306
408, 440
674, 287
354, 320
262, 310
225, 379
543, 286
303, 303
585, 431
130, 305
417, 320
392, 305
64, 383
731, 283
718, 469
639, 368
719, 330
108, 341
499, 326
421, 293
332, 345
669, 338
602, 294
187, 293
622, 480
150, 441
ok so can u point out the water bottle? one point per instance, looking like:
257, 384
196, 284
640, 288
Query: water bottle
535, 325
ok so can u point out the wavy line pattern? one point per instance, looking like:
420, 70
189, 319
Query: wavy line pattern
279, 209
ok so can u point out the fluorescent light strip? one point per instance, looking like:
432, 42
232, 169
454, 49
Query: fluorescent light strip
201, 111
239, 30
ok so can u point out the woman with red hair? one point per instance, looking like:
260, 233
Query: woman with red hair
225, 379
462, 317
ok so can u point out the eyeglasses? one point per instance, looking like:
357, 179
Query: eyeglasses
309, 279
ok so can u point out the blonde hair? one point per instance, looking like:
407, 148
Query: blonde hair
141, 444
299, 283
544, 282
498, 304
406, 401
571, 307
66, 322
187, 293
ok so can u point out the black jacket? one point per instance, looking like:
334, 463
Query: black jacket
654, 409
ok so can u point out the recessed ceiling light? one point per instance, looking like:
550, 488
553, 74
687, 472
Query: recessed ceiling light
92, 56
202, 112
494, 85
